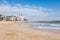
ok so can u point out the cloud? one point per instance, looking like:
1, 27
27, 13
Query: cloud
8, 9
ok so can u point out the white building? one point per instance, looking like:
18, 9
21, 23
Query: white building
20, 17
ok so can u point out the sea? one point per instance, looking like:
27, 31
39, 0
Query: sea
52, 26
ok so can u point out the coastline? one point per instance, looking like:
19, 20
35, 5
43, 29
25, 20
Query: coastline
14, 31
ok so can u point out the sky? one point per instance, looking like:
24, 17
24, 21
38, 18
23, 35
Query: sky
32, 9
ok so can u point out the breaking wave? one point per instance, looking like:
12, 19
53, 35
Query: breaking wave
45, 26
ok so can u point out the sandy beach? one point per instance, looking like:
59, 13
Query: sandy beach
15, 31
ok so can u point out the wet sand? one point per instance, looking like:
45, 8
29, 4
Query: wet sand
15, 31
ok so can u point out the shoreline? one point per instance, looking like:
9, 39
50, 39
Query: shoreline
14, 31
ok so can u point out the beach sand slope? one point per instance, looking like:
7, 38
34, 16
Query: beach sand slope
15, 31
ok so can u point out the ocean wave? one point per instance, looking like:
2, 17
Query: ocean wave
45, 26
48, 27
55, 24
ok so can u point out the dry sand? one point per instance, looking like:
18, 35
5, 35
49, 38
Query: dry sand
15, 31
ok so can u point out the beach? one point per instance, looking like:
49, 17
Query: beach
15, 31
